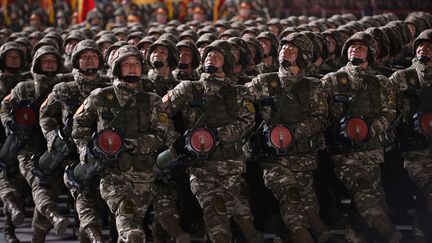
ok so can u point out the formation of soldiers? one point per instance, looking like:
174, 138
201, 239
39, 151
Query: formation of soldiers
187, 119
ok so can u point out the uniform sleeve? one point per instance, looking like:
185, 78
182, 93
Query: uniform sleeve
49, 115
388, 108
254, 89
318, 120
176, 98
242, 125
85, 120
157, 136
8, 104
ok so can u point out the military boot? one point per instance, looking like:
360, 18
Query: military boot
9, 229
303, 236
94, 233
384, 227
318, 228
173, 228
16, 213
249, 231
38, 235
58, 222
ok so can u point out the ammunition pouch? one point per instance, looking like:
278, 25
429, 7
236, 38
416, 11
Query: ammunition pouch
200, 143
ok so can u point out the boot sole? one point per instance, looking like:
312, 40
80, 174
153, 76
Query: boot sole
61, 227
18, 219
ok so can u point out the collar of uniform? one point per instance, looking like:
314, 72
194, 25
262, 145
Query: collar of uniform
153, 76
123, 93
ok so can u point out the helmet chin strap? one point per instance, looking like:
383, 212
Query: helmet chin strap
130, 79
89, 71
357, 61
423, 59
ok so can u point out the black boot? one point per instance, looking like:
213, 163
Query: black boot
9, 229
38, 235
94, 233
384, 227
58, 222
249, 232
16, 213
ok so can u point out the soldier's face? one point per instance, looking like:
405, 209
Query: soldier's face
49, 63
144, 49
266, 45
214, 58
161, 18
160, 53
199, 17
13, 59
331, 44
70, 46
89, 59
413, 30
357, 50
133, 41
245, 11
121, 37
201, 48
104, 47
288, 52
185, 55
131, 66
424, 49
274, 29
252, 50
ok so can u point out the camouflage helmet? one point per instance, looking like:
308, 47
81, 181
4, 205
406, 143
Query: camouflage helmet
206, 38
259, 52
73, 35
316, 51
274, 42
287, 31
173, 55
56, 37
85, 45
25, 42
44, 42
382, 40
189, 33
335, 34
366, 39
423, 36
195, 54
169, 36
106, 38
393, 36
36, 68
146, 40
137, 35
245, 54
113, 47
11, 46
305, 48
226, 49
123, 52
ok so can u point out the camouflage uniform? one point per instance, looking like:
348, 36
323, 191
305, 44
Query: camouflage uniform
289, 176
357, 163
274, 66
414, 88
127, 183
239, 76
9, 193
217, 182
46, 213
181, 74
159, 84
56, 113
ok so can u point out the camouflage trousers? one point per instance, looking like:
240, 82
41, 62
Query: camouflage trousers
360, 173
221, 196
43, 196
293, 188
128, 195
12, 188
418, 164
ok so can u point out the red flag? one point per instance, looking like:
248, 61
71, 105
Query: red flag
216, 9
48, 6
84, 6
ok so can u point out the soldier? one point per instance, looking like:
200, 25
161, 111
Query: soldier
143, 46
294, 113
69, 44
46, 64
56, 114
217, 117
414, 88
189, 60
163, 57
12, 63
361, 108
127, 182
243, 59
256, 51
270, 46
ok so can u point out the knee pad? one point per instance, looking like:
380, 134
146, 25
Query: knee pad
127, 208
219, 205
361, 185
